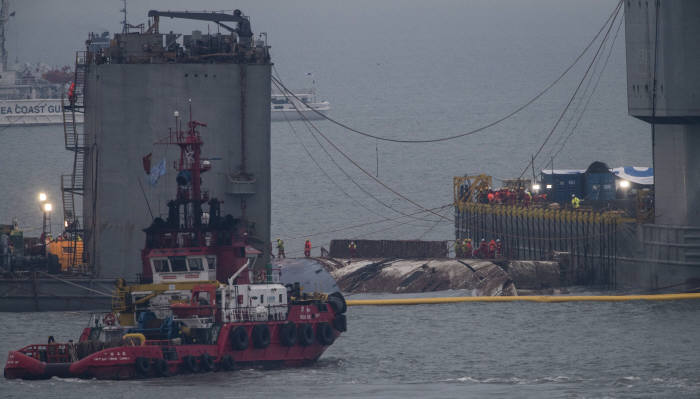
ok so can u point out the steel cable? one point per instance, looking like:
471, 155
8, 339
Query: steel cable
479, 129
346, 156
573, 96
595, 87
330, 157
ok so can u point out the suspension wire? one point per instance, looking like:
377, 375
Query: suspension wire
336, 184
578, 87
428, 230
595, 86
479, 129
580, 100
382, 230
347, 174
403, 223
355, 226
346, 156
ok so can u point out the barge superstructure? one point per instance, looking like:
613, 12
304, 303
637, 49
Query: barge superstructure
136, 83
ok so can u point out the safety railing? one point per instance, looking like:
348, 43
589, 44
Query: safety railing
49, 353
270, 313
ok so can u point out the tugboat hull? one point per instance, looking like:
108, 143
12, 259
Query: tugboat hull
162, 359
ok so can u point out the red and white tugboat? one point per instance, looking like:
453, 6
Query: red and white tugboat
199, 307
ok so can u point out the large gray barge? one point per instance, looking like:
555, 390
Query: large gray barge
127, 90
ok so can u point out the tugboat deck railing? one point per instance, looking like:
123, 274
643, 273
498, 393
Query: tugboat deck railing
49, 353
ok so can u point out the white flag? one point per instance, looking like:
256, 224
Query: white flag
157, 171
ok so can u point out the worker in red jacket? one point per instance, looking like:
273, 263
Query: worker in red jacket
467, 249
71, 93
352, 247
307, 248
492, 248
491, 196
483, 250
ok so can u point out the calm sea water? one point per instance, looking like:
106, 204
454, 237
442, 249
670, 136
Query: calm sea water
591, 350
411, 69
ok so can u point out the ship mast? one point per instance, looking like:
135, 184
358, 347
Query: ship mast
4, 17
190, 167
125, 24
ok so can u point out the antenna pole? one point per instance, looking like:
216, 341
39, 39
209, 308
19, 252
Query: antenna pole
376, 149
124, 23
4, 17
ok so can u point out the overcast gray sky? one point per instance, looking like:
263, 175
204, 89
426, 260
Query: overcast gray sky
50, 30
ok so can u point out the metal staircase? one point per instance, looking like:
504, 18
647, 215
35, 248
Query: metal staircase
72, 185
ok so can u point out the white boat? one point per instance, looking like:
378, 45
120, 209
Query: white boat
37, 111
29, 94
302, 105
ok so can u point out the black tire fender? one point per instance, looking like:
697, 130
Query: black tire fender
239, 338
227, 363
288, 334
261, 336
143, 365
206, 362
325, 333
305, 334
161, 367
191, 363
337, 302
340, 323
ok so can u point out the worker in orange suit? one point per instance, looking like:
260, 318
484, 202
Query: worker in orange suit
492, 248
307, 248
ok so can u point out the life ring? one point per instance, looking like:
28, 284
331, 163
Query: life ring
191, 364
143, 365
161, 367
238, 338
227, 363
305, 334
261, 336
340, 323
325, 334
206, 362
288, 334
109, 319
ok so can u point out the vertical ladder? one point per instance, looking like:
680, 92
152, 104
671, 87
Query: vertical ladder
73, 184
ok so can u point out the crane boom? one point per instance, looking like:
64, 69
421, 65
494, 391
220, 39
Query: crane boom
243, 30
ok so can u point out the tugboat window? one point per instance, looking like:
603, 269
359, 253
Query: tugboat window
211, 262
161, 265
195, 264
178, 263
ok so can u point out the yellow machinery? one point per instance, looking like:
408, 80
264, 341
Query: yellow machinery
517, 184
69, 253
123, 307
467, 188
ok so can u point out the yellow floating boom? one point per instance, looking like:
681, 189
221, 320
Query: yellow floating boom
533, 298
